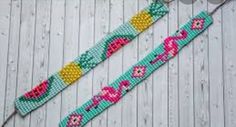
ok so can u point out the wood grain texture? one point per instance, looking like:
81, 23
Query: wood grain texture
195, 89
26, 53
186, 89
145, 96
200, 73
114, 70
160, 79
86, 35
100, 78
40, 61
5, 13
13, 47
215, 71
229, 64
55, 57
129, 103
70, 51
173, 91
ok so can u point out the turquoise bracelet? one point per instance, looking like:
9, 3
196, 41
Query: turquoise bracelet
88, 60
112, 93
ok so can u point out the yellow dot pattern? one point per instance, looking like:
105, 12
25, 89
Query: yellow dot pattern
70, 73
141, 21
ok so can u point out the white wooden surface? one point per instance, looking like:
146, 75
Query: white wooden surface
195, 89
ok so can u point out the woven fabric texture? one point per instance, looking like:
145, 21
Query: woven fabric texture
88, 60
112, 93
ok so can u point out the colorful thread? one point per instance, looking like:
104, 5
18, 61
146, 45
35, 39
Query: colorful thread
109, 94
39, 92
140, 71
74, 120
114, 43
170, 47
88, 60
198, 24
70, 73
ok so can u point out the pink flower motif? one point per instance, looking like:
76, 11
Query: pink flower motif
198, 24
139, 71
74, 120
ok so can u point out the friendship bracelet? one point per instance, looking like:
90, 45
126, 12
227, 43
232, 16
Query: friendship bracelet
112, 93
88, 60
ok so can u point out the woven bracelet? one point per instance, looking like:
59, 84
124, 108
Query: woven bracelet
88, 60
112, 93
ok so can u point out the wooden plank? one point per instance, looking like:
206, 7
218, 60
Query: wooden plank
41, 47
229, 63
173, 88
5, 12
53, 107
194, 89
186, 107
160, 79
100, 78
25, 65
86, 40
215, 70
129, 107
145, 94
201, 82
12, 59
71, 36
115, 62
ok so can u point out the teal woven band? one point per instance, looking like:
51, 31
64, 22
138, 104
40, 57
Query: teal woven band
138, 72
88, 60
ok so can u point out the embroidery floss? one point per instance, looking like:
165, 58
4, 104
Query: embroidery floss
141, 70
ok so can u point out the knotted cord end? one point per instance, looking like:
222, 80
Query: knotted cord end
9, 117
219, 6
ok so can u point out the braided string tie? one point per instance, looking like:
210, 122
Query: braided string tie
9, 117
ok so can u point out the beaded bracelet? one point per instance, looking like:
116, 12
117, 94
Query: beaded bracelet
88, 60
112, 93
104, 49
